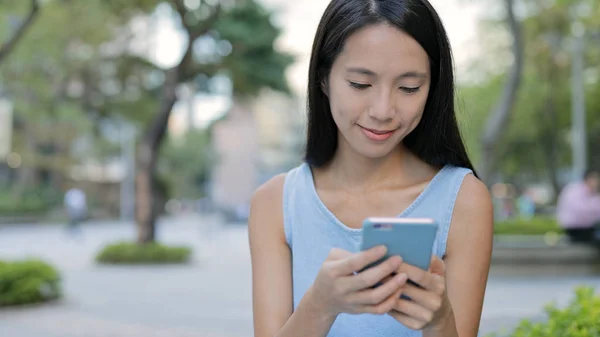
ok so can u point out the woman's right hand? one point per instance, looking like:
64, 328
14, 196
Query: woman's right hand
340, 288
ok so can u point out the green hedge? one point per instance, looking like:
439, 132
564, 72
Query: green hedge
10, 206
150, 253
27, 282
35, 201
580, 319
535, 226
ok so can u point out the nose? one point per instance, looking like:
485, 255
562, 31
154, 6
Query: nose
383, 109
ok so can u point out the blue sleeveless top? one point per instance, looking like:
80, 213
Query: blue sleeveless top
311, 231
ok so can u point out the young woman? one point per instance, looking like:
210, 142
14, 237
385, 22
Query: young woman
382, 141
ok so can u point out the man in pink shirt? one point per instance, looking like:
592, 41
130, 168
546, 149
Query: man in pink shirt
578, 209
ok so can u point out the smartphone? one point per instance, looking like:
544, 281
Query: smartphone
410, 238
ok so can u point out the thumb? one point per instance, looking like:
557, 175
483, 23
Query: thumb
437, 266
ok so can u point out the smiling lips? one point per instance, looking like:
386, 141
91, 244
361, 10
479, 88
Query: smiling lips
377, 135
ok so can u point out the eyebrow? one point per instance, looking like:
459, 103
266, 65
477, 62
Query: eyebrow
364, 71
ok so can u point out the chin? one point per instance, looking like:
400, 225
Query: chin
367, 149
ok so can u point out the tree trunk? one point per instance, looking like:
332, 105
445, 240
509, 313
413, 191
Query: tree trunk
146, 193
498, 120
12, 41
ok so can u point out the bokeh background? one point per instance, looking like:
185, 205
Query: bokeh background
169, 114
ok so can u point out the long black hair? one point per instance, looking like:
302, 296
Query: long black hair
437, 139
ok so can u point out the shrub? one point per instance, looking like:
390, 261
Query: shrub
27, 282
580, 319
149, 253
14, 206
521, 226
34, 201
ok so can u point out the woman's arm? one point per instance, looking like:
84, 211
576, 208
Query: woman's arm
468, 258
272, 273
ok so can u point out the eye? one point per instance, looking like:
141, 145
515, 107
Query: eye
359, 86
409, 90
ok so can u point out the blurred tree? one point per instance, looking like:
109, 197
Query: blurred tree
14, 33
498, 119
58, 94
19, 30
536, 145
93, 68
244, 37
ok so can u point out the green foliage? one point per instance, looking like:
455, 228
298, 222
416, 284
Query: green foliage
54, 79
538, 225
581, 318
12, 206
253, 63
474, 103
34, 201
86, 62
184, 164
27, 282
129, 7
536, 145
150, 253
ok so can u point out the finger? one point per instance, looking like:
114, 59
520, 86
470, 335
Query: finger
384, 307
437, 266
377, 295
422, 277
359, 261
408, 321
414, 310
338, 254
427, 299
372, 276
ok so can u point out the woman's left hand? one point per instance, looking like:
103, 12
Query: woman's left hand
430, 306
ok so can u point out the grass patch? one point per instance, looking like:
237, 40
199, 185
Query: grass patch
149, 253
535, 226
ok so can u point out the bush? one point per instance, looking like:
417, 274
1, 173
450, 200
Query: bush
535, 226
27, 282
13, 206
149, 253
34, 201
580, 319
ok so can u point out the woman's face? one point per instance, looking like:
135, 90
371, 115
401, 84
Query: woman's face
377, 89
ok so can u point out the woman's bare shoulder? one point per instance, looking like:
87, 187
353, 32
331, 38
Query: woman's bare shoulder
266, 205
270, 191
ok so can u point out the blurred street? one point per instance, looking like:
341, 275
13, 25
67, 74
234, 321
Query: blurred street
210, 298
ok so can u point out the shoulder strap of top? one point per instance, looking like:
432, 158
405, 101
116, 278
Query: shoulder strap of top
447, 190
292, 189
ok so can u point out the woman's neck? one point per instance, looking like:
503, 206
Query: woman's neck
354, 171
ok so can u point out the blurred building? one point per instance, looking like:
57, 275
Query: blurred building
256, 140
236, 147
281, 123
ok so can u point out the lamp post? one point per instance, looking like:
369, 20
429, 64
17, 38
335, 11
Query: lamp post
578, 131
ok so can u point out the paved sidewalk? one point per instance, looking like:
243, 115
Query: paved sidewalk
211, 297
